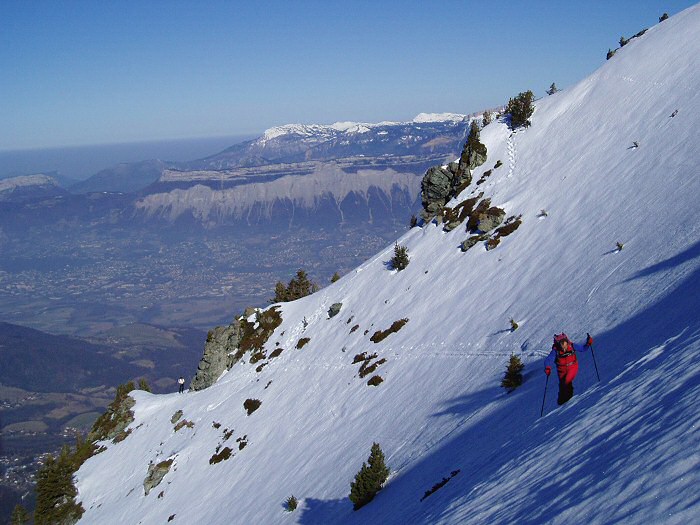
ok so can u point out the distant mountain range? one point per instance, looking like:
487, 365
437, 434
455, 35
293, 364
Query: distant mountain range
291, 175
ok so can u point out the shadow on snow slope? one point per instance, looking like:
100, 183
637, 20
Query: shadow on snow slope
578, 461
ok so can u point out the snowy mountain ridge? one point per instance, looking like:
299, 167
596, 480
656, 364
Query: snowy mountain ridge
328, 131
624, 449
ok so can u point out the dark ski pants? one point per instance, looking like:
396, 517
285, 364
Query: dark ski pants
181, 389
566, 381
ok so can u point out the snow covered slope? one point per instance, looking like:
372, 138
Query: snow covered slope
623, 450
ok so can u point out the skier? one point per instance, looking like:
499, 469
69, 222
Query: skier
181, 383
563, 354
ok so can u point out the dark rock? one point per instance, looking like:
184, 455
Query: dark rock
218, 355
334, 309
156, 473
436, 190
471, 241
492, 218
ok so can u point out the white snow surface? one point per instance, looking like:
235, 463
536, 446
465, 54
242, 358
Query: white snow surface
625, 449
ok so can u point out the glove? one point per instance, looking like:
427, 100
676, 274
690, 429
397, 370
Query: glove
589, 340
547, 370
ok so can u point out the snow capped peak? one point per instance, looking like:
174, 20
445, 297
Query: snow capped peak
324, 132
438, 117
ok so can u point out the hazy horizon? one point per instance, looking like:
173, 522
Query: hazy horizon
81, 162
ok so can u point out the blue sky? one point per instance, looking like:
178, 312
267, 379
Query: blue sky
96, 72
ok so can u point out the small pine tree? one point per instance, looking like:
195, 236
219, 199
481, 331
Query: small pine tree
291, 504
20, 516
520, 108
619, 246
663, 17
55, 492
143, 385
552, 89
400, 259
300, 286
623, 41
486, 119
370, 478
280, 293
513, 377
414, 221
335, 277
513, 325
610, 54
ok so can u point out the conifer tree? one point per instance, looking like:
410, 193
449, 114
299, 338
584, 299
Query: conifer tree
520, 108
143, 385
400, 259
369, 479
335, 277
486, 119
55, 492
280, 293
513, 377
20, 516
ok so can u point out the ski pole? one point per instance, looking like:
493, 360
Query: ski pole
593, 354
545, 395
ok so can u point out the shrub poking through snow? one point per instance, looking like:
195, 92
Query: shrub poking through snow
184, 423
362, 357
366, 369
513, 325
413, 222
380, 335
255, 335
302, 342
220, 456
291, 504
375, 380
251, 405
663, 17
440, 484
335, 277
176, 417
117, 417
370, 479
400, 259
498, 164
513, 377
619, 246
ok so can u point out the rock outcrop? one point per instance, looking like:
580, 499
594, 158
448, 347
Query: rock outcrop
226, 346
334, 309
156, 473
218, 355
442, 183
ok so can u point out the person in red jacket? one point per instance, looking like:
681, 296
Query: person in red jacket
563, 354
